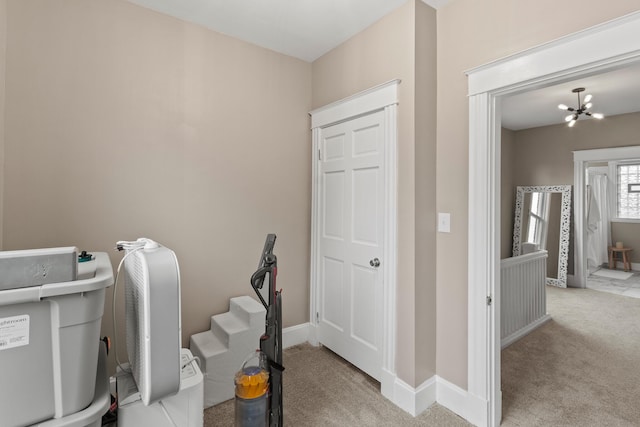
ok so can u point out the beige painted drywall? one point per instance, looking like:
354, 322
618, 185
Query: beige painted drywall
425, 167
544, 156
122, 122
390, 49
3, 62
472, 33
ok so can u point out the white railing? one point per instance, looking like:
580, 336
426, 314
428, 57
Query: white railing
523, 295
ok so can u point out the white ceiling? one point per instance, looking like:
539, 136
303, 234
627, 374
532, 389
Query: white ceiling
307, 29
304, 29
614, 92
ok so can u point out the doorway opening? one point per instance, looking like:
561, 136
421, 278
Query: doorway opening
614, 44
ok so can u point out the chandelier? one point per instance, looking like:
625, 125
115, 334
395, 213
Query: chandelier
581, 109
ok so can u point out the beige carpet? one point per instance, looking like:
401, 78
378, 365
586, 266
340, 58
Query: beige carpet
321, 389
580, 369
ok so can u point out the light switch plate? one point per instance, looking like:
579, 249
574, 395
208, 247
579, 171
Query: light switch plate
444, 222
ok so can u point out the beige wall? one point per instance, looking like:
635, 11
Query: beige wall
425, 166
401, 45
472, 33
3, 56
122, 122
544, 156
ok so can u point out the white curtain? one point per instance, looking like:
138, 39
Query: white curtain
598, 225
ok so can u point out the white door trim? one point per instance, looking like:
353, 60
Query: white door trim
607, 46
382, 97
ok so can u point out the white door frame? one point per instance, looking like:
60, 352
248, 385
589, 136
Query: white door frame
580, 160
604, 47
379, 98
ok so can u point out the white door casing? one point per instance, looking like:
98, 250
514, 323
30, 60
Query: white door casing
381, 100
610, 45
351, 171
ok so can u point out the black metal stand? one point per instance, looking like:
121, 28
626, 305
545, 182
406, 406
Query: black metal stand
271, 341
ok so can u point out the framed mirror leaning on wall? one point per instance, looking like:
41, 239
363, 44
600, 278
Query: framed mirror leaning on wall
542, 222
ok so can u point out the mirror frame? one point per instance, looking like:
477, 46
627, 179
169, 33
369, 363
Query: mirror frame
565, 223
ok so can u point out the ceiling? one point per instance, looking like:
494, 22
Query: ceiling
307, 29
614, 92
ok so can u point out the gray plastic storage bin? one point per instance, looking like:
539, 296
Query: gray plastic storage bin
49, 338
92, 415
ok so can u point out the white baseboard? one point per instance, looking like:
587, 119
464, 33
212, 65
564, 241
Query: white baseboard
426, 394
507, 341
451, 396
295, 335
313, 335
461, 402
412, 400
435, 389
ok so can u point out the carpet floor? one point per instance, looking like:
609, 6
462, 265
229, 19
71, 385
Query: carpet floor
322, 389
579, 369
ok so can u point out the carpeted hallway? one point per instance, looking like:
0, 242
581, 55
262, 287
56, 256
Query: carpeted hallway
579, 369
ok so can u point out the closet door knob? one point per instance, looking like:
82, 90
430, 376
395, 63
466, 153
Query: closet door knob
374, 262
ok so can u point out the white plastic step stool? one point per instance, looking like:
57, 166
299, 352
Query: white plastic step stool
222, 349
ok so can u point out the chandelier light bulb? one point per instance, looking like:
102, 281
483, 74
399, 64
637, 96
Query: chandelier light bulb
588, 105
587, 98
597, 116
568, 118
563, 107
572, 122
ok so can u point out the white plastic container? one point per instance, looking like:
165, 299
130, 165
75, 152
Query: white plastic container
49, 346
